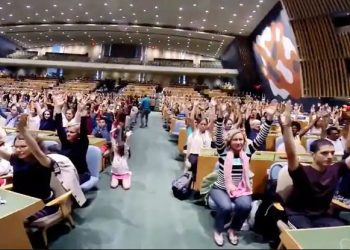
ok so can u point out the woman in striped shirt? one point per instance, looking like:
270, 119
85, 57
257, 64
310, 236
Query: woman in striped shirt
233, 183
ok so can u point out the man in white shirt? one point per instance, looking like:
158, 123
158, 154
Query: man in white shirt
5, 167
333, 135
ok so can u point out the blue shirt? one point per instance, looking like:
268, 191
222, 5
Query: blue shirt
146, 103
102, 132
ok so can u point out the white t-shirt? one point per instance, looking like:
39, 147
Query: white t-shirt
338, 146
120, 165
5, 167
198, 140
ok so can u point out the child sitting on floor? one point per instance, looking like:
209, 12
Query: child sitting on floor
120, 169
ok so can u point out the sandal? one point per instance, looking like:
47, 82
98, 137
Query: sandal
232, 238
218, 239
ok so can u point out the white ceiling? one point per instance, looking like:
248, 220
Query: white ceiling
197, 26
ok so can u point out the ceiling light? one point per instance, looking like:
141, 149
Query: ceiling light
204, 20
131, 5
10, 15
156, 7
179, 24
101, 17
58, 28
254, 11
113, 20
20, 21
10, 29
28, 17
134, 14
77, 16
257, 5
157, 15
44, 20
9, 3
80, 4
242, 29
86, 13
248, 21
261, 1
53, 17
105, 4
46, 10
123, 17
222, 7
35, 28
157, 23
207, 11
241, 4
202, 27
194, 5
28, 6
180, 9
62, 13
245, 25
215, 25
180, 17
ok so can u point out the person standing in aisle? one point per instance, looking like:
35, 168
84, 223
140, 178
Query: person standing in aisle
145, 110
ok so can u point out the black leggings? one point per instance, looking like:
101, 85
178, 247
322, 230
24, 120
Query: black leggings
193, 159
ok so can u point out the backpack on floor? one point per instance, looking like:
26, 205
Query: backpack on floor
182, 186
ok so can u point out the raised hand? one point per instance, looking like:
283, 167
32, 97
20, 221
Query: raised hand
271, 109
285, 117
22, 123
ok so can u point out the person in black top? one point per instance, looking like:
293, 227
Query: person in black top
75, 141
31, 169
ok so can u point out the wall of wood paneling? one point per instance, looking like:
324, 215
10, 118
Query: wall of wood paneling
323, 50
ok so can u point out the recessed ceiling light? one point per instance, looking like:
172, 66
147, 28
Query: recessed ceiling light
113, 20
204, 20
222, 7
257, 5
215, 25
110, 13
202, 27
157, 15
248, 21
105, 4
28, 6
156, 7
80, 4
86, 13
131, 5
180, 9
46, 10
194, 5
123, 17
58, 28
68, 20
180, 17
101, 17
62, 13
240, 32
241, 4
179, 24
134, 14
230, 21
207, 11
157, 23
245, 25
242, 29
10, 15
254, 11
53, 17
37, 14
9, 3
77, 16
35, 28
44, 20
261, 1
28, 17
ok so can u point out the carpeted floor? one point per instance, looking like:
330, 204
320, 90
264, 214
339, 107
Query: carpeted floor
146, 216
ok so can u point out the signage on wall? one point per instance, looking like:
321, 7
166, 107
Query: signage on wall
278, 58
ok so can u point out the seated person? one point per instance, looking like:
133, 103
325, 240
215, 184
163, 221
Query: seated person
31, 169
75, 142
101, 131
313, 185
333, 136
5, 166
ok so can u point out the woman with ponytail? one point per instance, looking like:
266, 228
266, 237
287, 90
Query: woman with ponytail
233, 184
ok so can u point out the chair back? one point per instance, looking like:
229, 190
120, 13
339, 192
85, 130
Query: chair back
59, 190
308, 143
284, 184
94, 160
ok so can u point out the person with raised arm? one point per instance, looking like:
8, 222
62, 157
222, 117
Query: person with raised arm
31, 168
233, 184
75, 141
313, 185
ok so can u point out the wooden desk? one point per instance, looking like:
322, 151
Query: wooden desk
271, 141
206, 164
182, 140
317, 238
18, 207
259, 164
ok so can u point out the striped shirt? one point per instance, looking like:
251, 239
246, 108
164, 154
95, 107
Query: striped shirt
237, 168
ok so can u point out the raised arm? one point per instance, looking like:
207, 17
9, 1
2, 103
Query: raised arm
59, 102
265, 129
289, 143
32, 144
309, 126
219, 133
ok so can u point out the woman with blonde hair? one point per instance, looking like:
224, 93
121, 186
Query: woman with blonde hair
232, 184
